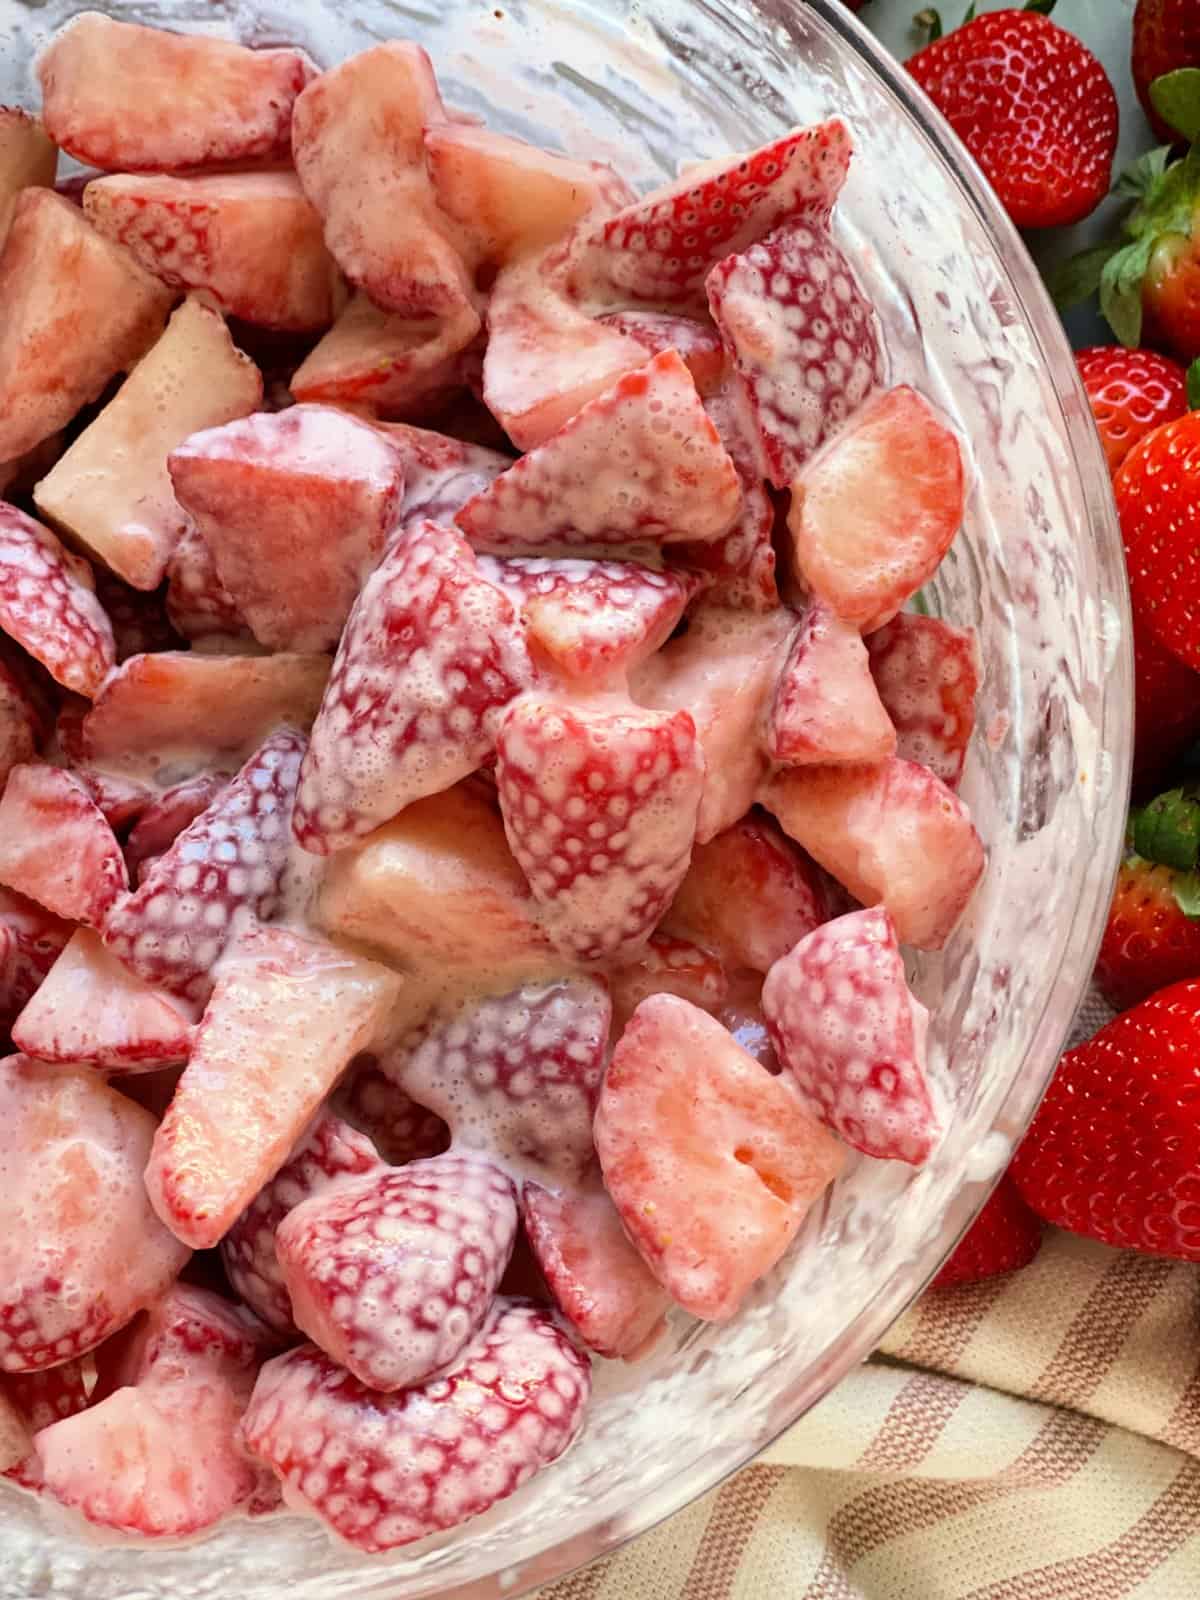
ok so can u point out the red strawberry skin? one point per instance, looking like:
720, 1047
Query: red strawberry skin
1033, 106
1005, 1235
1132, 392
1148, 941
1166, 36
1166, 707
1158, 499
48, 605
1114, 1150
1171, 294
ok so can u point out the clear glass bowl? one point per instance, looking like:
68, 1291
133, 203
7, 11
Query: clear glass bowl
1038, 571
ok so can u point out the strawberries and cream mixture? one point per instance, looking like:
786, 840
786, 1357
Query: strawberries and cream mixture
468, 773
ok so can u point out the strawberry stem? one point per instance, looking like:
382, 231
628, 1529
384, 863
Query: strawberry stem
1167, 831
929, 23
1193, 385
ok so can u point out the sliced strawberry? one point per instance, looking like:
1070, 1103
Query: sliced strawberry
384, 1470
698, 343
669, 965
358, 144
711, 1162
440, 474
110, 492
198, 603
843, 1021
329, 1151
72, 1271
126, 98
31, 940
826, 706
165, 818
48, 605
598, 1280
803, 337
27, 159
253, 1081
600, 808
891, 834
392, 1274
662, 246
431, 654
119, 800
515, 1075
76, 311
173, 714
722, 672
650, 430
437, 889
1005, 1236
927, 674
396, 1125
57, 848
229, 862
19, 729
592, 620
92, 1010
139, 618
749, 895
296, 508
398, 365
249, 240
874, 512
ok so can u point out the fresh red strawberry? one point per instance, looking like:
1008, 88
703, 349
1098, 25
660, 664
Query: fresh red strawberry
668, 965
440, 474
28, 159
392, 1274
711, 1162
1005, 1236
874, 513
843, 1021
826, 706
90, 1009
677, 481
57, 848
749, 894
31, 940
165, 818
430, 656
77, 310
139, 618
198, 603
396, 1125
48, 605
598, 1280
230, 861
126, 98
1156, 490
1152, 936
384, 1470
1166, 38
71, 1271
698, 343
249, 240
253, 1081
593, 621
1033, 106
927, 673
803, 338
891, 834
1132, 392
600, 808
1166, 708
19, 729
662, 246
329, 1152
1114, 1148
515, 1075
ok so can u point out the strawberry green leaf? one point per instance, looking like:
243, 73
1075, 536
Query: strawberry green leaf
1193, 385
920, 604
1121, 289
1077, 279
1044, 6
1141, 175
1167, 830
1186, 890
929, 23
1176, 98
970, 16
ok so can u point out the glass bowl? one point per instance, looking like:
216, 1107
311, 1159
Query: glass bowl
647, 84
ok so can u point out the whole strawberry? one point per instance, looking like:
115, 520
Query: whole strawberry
1004, 1236
1114, 1151
1166, 37
1152, 937
1132, 392
1158, 499
1166, 709
1032, 105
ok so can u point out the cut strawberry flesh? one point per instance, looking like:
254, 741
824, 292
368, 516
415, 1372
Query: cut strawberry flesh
165, 818
711, 1162
28, 159
927, 674
698, 343
48, 605
57, 848
826, 706
198, 603
669, 965
399, 1128
440, 474
394, 364
31, 940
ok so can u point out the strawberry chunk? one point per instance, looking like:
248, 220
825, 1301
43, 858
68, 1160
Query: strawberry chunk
598, 1280
698, 343
843, 1021
56, 847
440, 474
19, 724
31, 940
27, 159
48, 605
396, 364
296, 508
640, 462
891, 834
165, 818
400, 1129
384, 1470
37, 1400
77, 310
393, 1273
329, 1151
593, 621
749, 894
127, 98
927, 674
826, 707
72, 1272
711, 1162
874, 513
662, 247
431, 654
599, 806
669, 965
90, 1009
515, 1075
229, 862
249, 240
198, 603
803, 337
110, 492
253, 1081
